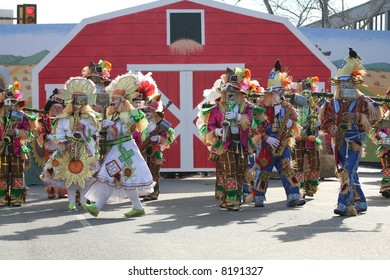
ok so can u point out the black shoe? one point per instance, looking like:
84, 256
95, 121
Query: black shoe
386, 193
297, 202
339, 212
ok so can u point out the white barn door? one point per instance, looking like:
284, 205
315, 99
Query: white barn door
188, 111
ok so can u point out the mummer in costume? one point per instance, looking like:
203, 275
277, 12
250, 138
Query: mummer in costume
16, 129
382, 138
277, 135
53, 108
228, 127
124, 172
76, 158
348, 117
306, 152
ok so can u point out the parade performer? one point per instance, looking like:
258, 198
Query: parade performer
155, 139
381, 137
306, 152
348, 117
211, 97
255, 91
124, 172
277, 136
228, 128
76, 158
53, 108
147, 88
16, 128
99, 73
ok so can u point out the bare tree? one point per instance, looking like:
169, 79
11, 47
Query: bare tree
268, 6
349, 20
324, 7
235, 2
302, 12
299, 11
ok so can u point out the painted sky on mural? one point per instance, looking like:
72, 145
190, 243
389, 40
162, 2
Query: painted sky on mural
74, 11
369, 44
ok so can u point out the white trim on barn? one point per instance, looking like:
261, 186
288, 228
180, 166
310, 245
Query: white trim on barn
170, 11
183, 67
188, 111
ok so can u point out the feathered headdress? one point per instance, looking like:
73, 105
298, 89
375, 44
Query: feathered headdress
278, 80
106, 67
255, 88
233, 80
100, 72
350, 69
14, 95
79, 85
147, 87
125, 85
310, 83
212, 95
15, 89
244, 77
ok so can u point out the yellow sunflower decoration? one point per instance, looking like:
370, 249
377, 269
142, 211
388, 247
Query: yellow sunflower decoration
75, 170
75, 164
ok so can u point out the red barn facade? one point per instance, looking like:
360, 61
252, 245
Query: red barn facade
141, 38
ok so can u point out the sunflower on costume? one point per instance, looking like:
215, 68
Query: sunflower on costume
128, 172
76, 163
74, 171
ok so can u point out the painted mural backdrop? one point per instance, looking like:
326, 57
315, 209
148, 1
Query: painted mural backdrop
24, 46
372, 47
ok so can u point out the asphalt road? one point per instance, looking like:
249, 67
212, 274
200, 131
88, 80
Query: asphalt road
186, 224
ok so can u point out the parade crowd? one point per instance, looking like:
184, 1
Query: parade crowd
105, 138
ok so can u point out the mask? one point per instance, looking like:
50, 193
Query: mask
347, 91
232, 97
80, 100
116, 101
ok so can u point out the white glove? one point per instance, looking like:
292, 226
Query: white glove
218, 132
155, 138
272, 141
107, 123
230, 115
382, 135
317, 123
289, 123
50, 137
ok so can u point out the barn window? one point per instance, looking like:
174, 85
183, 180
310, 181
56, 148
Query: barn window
185, 25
